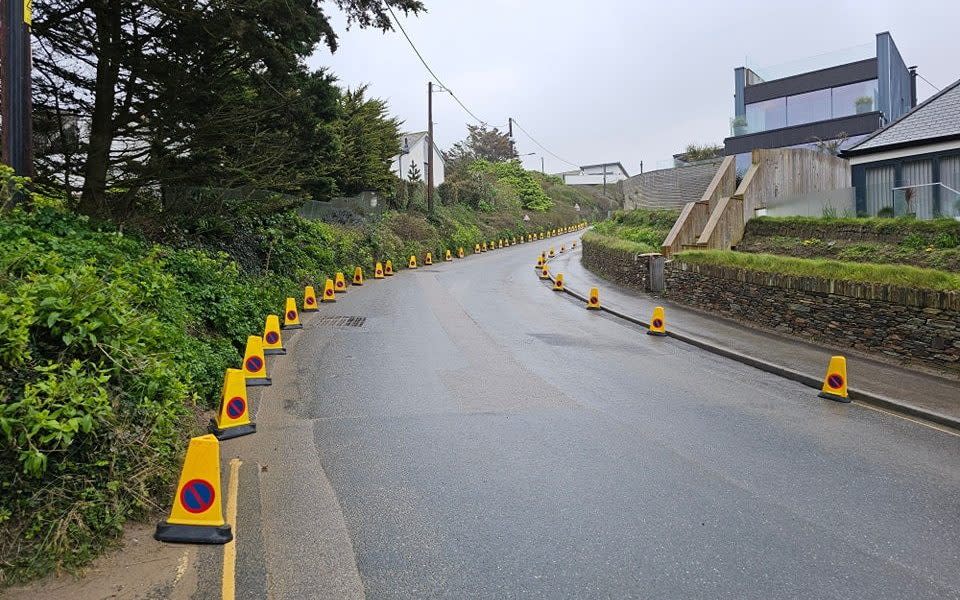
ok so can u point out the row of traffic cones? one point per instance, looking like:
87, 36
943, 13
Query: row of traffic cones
197, 516
834, 382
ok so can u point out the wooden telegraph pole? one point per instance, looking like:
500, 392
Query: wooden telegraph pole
430, 147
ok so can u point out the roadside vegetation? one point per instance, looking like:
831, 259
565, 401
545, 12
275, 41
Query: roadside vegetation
898, 275
635, 230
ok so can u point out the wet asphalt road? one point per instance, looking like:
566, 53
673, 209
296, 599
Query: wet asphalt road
480, 436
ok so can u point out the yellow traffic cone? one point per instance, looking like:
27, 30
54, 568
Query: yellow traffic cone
197, 516
476, 248
658, 323
291, 318
340, 283
309, 299
835, 381
447, 256
460, 252
254, 362
551, 255
388, 268
573, 244
500, 243
429, 259
484, 247
378, 271
358, 276
272, 342
540, 260
544, 272
541, 235
563, 248
233, 417
329, 295
594, 302
412, 263
558, 283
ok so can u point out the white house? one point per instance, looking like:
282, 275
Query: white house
414, 151
596, 174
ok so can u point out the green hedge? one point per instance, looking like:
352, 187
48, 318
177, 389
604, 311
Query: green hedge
618, 244
898, 275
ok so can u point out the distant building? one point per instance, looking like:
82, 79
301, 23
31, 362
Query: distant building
912, 166
604, 173
414, 151
842, 97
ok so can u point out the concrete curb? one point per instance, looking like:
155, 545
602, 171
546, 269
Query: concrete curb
865, 397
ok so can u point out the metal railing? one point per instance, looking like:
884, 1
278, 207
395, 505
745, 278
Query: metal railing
925, 201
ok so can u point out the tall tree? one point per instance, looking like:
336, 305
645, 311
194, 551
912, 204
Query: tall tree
370, 138
179, 90
481, 143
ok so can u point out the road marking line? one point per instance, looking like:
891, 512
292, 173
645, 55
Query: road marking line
906, 418
228, 585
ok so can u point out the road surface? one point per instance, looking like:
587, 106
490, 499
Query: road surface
480, 436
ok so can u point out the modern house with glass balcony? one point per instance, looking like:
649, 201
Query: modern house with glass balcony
837, 98
912, 166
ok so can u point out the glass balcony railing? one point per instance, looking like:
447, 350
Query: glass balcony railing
813, 63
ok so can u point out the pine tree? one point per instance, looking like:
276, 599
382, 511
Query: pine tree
413, 173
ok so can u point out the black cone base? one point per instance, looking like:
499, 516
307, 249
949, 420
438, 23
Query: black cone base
834, 397
656, 333
231, 432
275, 352
309, 309
258, 381
193, 534
293, 327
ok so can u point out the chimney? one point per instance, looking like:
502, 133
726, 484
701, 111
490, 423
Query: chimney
913, 86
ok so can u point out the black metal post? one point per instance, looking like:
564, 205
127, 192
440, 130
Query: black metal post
15, 99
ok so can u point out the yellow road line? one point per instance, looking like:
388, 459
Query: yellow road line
229, 581
927, 424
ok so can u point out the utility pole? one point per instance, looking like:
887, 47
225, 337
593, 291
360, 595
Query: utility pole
430, 147
510, 126
542, 170
15, 98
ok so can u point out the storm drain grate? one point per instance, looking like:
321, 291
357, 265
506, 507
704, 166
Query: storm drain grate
342, 321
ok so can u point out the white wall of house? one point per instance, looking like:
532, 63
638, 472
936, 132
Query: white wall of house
417, 143
594, 175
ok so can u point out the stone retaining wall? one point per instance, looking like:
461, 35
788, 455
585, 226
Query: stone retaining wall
616, 265
910, 324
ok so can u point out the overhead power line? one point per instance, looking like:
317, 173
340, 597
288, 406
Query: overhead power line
928, 82
454, 96
542, 147
429, 70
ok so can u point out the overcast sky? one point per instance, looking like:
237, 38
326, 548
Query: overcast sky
618, 80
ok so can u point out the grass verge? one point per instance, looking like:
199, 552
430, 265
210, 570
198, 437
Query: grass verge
897, 275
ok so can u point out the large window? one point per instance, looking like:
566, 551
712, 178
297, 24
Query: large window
769, 114
810, 107
855, 98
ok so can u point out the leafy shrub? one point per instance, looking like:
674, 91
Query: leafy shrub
516, 179
645, 227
